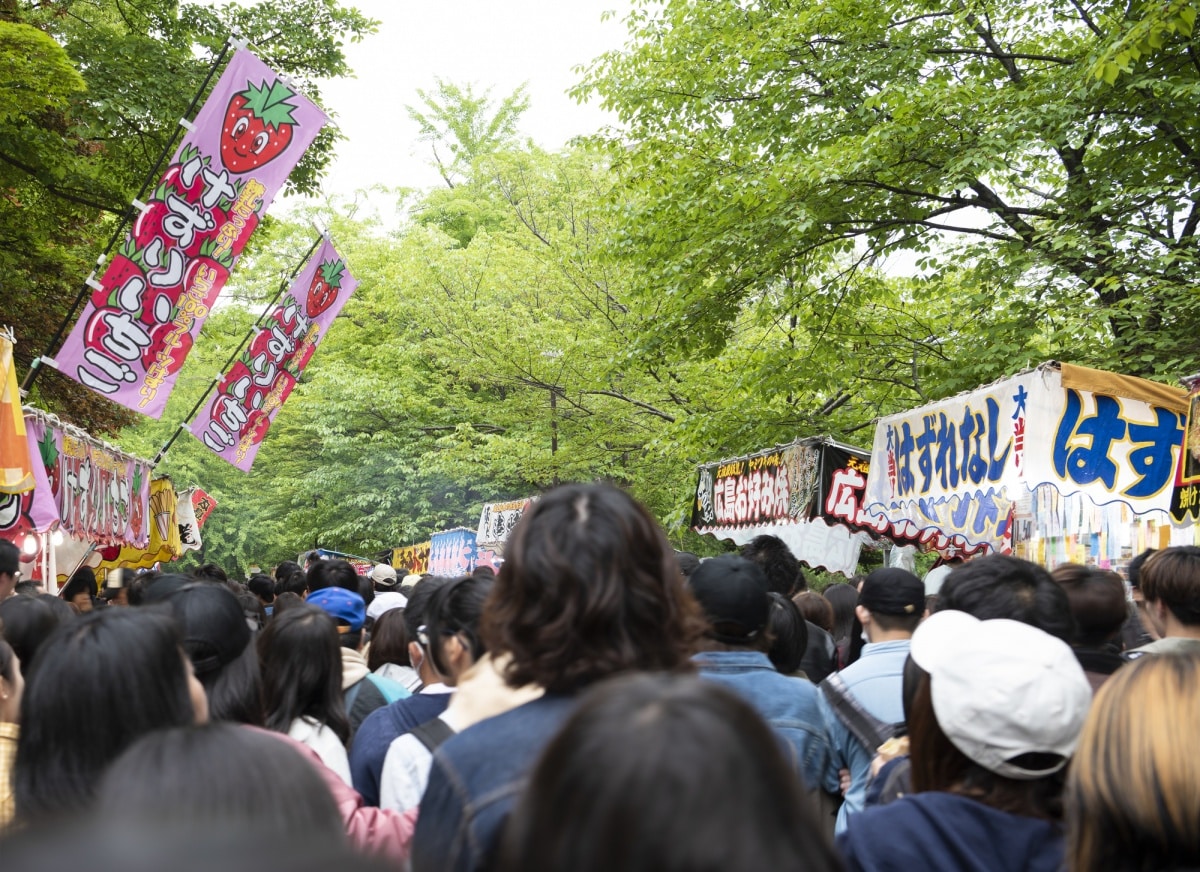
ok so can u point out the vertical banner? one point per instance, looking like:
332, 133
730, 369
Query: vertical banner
16, 469
33, 511
203, 504
1185, 499
144, 313
234, 422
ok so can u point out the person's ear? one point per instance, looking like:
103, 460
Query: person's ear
863, 614
416, 655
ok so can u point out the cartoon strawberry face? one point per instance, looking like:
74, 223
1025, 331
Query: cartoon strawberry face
324, 288
258, 126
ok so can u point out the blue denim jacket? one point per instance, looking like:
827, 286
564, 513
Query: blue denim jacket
788, 704
474, 782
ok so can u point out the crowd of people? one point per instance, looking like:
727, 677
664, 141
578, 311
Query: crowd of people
604, 702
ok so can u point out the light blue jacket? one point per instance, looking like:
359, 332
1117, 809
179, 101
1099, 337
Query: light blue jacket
876, 679
788, 704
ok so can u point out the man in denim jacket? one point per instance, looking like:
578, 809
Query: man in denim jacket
732, 591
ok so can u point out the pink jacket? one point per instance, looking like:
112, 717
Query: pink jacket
372, 830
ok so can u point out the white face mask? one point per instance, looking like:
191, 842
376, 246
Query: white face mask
864, 635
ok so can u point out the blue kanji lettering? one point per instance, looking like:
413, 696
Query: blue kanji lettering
905, 481
925, 442
946, 463
995, 464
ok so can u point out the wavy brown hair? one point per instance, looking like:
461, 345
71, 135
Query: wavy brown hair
589, 588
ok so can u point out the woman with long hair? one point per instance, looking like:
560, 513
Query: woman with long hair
302, 683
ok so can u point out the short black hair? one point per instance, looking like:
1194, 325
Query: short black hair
210, 571
1172, 577
27, 621
262, 587
10, 558
778, 563
332, 573
1000, 586
1097, 598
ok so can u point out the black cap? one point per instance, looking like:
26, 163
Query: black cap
214, 626
732, 591
893, 591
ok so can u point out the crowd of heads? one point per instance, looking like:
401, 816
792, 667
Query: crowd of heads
166, 695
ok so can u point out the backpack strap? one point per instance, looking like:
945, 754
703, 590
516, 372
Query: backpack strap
864, 726
432, 733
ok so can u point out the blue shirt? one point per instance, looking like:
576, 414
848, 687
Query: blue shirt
876, 679
371, 741
788, 704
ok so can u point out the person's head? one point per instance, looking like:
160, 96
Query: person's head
677, 766
293, 580
732, 594
285, 569
414, 618
210, 572
589, 588
302, 671
262, 587
286, 600
843, 598
384, 578
688, 562
890, 604
218, 777
1170, 581
1133, 571
12, 685
1097, 599
451, 631
10, 568
999, 714
999, 586
332, 573
100, 682
389, 641
1131, 795
347, 609
217, 638
787, 632
80, 589
780, 566
27, 622
28, 588
815, 609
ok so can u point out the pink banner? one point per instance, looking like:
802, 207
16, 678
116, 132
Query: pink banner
147, 308
34, 510
234, 422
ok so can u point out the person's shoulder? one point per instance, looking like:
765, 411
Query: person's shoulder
518, 728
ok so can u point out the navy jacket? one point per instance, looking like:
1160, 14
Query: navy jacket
942, 831
474, 783
369, 748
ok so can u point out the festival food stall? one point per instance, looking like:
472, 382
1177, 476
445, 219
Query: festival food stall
808, 493
411, 559
496, 523
1056, 464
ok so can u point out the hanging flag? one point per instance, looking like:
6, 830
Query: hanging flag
16, 469
234, 422
189, 525
203, 505
147, 308
164, 545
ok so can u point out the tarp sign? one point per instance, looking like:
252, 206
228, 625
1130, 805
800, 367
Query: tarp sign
233, 423
147, 308
452, 553
412, 559
497, 520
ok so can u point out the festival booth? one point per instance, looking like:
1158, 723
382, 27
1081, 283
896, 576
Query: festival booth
452, 552
808, 493
1057, 464
411, 559
496, 523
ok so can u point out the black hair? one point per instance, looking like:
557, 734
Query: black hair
418, 603
83, 580
253, 611
302, 671
999, 586
455, 610
218, 776
8, 660
1134, 570
29, 588
688, 562
210, 571
10, 558
332, 573
100, 682
27, 622
843, 598
788, 634
262, 587
366, 589
1097, 598
284, 601
286, 568
1172, 577
778, 563
389, 641
676, 766
292, 581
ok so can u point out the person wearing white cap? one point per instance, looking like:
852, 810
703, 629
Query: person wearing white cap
991, 731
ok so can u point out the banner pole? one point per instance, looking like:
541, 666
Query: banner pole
283, 287
36, 365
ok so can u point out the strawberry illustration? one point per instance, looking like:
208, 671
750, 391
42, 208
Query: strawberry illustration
125, 265
158, 339
218, 264
149, 224
258, 126
175, 176
324, 288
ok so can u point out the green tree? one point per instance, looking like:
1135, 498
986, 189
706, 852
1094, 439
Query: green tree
771, 150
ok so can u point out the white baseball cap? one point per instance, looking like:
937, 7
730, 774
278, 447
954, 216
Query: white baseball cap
385, 602
1001, 689
383, 575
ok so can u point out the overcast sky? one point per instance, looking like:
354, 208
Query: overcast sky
488, 44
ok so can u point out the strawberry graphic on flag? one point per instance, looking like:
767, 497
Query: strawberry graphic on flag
325, 286
258, 126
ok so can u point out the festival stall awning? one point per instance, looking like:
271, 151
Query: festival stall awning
1057, 463
807, 493
412, 558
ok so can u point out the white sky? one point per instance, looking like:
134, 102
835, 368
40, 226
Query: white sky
497, 44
